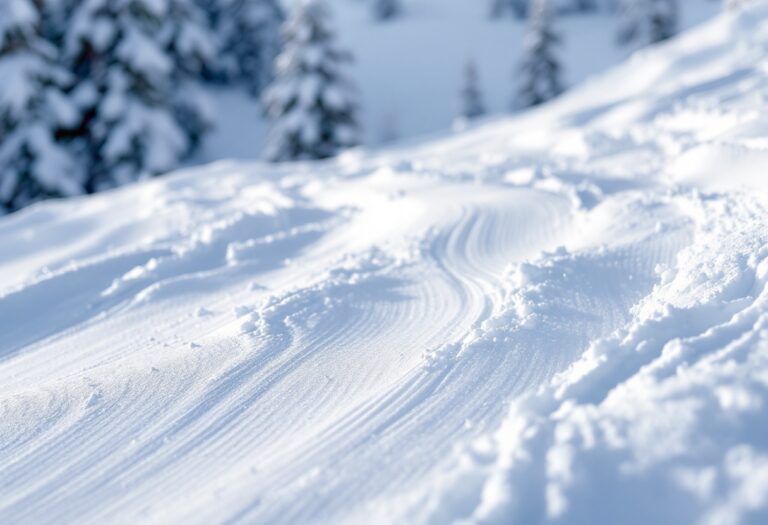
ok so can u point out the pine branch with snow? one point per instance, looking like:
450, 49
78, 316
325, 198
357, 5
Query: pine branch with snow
311, 102
249, 31
193, 47
33, 107
125, 79
540, 71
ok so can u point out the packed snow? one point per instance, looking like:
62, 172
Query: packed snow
558, 317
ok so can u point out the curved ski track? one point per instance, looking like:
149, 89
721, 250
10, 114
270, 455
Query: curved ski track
235, 386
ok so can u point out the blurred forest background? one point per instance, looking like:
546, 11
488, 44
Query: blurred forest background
96, 94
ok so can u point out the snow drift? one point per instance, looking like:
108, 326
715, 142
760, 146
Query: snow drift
559, 317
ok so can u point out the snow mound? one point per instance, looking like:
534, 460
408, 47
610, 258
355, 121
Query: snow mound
559, 317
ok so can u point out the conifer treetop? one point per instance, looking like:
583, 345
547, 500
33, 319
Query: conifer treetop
311, 101
540, 70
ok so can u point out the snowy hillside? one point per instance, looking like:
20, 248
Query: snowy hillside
560, 317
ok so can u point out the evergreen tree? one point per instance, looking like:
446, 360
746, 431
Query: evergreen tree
515, 8
386, 9
540, 69
33, 107
125, 74
250, 35
193, 47
646, 22
310, 102
472, 105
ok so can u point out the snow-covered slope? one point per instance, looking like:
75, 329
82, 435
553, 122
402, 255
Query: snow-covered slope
561, 317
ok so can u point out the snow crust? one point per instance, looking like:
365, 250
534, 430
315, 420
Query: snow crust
560, 317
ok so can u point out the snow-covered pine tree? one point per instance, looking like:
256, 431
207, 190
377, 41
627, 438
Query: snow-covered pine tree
311, 102
472, 105
540, 70
514, 8
250, 35
33, 107
193, 47
646, 22
386, 9
125, 76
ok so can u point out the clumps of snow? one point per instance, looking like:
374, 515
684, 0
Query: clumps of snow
253, 250
520, 176
137, 272
691, 362
94, 399
281, 315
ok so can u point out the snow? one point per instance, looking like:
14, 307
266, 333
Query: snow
14, 15
140, 52
20, 72
557, 317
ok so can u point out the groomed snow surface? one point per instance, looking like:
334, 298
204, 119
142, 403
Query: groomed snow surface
556, 318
